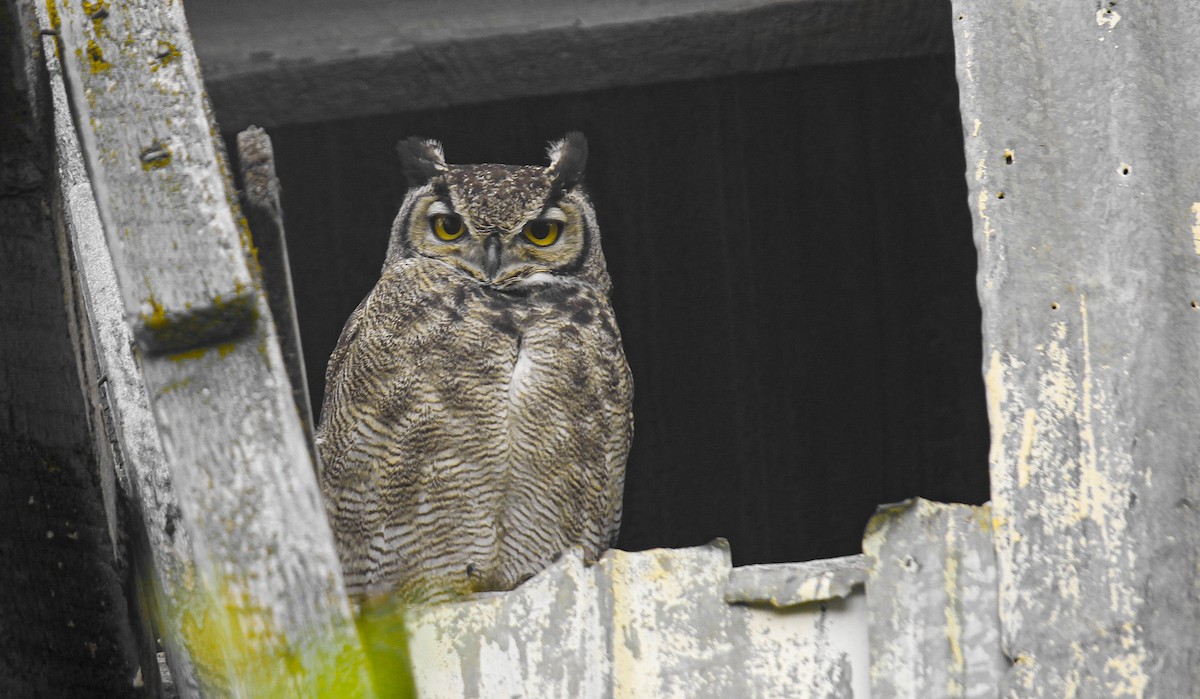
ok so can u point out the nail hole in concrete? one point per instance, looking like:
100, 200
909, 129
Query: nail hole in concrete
1008, 156
999, 195
1053, 306
1195, 305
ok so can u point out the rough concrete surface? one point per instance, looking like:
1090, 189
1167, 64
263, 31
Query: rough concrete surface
931, 595
1082, 124
647, 624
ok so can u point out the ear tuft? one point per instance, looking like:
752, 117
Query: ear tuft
421, 159
568, 157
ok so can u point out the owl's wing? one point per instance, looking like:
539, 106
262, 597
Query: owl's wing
333, 376
620, 419
349, 331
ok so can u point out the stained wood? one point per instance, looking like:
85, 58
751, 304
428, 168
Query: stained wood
165, 205
646, 624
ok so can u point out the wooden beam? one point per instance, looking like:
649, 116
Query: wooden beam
68, 622
262, 205
275, 62
118, 392
254, 592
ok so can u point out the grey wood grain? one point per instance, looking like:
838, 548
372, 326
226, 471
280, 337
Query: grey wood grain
642, 624
268, 610
151, 156
261, 200
66, 626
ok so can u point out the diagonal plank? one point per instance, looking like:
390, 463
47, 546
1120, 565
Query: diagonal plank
270, 617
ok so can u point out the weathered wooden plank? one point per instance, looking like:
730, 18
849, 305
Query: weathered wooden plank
66, 624
262, 205
648, 624
379, 57
1082, 125
268, 613
931, 595
127, 421
150, 153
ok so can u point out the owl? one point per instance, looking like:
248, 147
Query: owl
477, 413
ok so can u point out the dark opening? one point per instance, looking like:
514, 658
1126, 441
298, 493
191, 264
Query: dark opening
794, 278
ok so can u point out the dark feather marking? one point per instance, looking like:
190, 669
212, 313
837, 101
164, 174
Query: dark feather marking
505, 323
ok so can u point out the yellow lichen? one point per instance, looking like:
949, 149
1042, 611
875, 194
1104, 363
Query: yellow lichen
157, 318
232, 637
52, 13
97, 12
167, 52
196, 353
95, 57
156, 157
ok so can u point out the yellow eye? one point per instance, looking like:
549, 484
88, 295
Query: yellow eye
447, 226
542, 232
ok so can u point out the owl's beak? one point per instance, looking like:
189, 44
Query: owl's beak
491, 256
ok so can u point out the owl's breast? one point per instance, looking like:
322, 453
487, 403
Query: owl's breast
484, 431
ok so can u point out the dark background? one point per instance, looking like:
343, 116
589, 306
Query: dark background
794, 277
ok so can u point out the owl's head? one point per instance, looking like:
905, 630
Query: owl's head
504, 225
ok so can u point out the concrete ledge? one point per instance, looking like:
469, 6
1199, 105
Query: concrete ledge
789, 584
647, 624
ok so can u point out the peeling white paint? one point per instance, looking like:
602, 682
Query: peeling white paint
1107, 16
1196, 227
1028, 433
932, 595
647, 624
987, 221
996, 397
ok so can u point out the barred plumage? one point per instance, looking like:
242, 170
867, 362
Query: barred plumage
477, 413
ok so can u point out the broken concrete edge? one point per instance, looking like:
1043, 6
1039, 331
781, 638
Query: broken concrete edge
888, 513
777, 585
934, 626
640, 624
789, 584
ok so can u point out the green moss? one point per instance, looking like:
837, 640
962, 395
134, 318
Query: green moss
189, 354
260, 656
